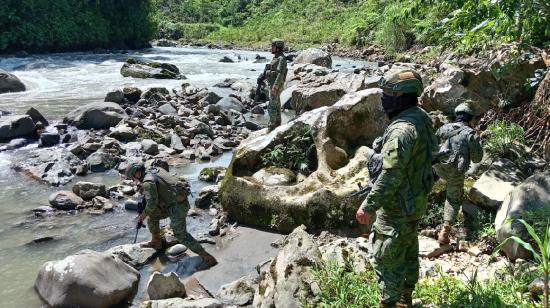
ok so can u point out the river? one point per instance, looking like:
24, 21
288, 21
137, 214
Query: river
56, 84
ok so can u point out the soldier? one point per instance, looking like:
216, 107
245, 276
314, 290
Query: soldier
164, 199
459, 145
399, 196
275, 74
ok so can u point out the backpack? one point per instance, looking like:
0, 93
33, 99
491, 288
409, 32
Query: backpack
181, 188
453, 148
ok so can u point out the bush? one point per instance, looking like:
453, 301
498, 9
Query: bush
504, 139
295, 152
187, 31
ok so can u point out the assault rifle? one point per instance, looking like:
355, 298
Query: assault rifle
140, 209
361, 191
259, 88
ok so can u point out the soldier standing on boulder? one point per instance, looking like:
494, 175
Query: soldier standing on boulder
459, 145
400, 194
275, 74
165, 198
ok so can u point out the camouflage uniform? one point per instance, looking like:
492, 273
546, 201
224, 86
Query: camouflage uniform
275, 74
161, 204
399, 198
463, 146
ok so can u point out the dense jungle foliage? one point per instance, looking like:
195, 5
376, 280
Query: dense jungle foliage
61, 25
467, 25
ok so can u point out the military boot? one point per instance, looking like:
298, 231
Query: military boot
207, 261
443, 237
406, 299
155, 243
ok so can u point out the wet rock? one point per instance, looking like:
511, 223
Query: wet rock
102, 203
37, 116
257, 110
14, 144
86, 279
527, 201
430, 248
314, 56
247, 88
10, 83
226, 59
287, 283
123, 133
177, 251
115, 96
239, 292
215, 226
132, 254
355, 120
176, 143
494, 184
101, 161
275, 176
163, 286
65, 200
210, 174
15, 126
196, 127
142, 69
183, 303
207, 196
149, 147
230, 103
167, 109
43, 210
132, 94
49, 140
212, 98
96, 115
88, 191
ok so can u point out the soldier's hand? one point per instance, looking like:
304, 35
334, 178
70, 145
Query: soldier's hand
364, 218
141, 217
274, 90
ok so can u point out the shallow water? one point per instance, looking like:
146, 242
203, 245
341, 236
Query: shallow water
56, 84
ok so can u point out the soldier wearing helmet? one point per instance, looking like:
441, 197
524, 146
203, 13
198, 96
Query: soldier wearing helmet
399, 196
275, 75
458, 145
162, 198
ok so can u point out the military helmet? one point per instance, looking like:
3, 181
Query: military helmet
133, 168
404, 81
278, 43
465, 107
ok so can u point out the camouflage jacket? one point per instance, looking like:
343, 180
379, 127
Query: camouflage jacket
459, 145
401, 191
157, 191
275, 72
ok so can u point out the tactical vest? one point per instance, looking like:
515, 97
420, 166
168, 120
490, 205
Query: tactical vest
271, 69
166, 184
454, 148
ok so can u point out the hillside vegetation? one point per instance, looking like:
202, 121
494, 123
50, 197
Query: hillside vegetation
63, 25
468, 25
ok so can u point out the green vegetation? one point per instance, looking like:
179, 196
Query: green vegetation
62, 25
502, 138
541, 252
295, 152
342, 286
467, 25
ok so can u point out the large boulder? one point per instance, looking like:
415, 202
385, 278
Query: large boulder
239, 292
96, 115
287, 281
101, 161
494, 184
314, 56
529, 201
16, 126
88, 191
10, 83
52, 166
115, 96
142, 69
87, 279
498, 80
37, 116
320, 200
230, 103
65, 200
163, 286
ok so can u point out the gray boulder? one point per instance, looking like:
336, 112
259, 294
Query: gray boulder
239, 292
102, 204
314, 56
163, 286
88, 279
88, 191
16, 126
288, 280
133, 254
494, 184
37, 116
176, 143
132, 94
65, 200
49, 140
96, 115
167, 109
149, 147
230, 103
142, 69
101, 161
123, 133
208, 196
10, 83
115, 96
529, 201
210, 174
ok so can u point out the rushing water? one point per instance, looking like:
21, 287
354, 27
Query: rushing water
56, 84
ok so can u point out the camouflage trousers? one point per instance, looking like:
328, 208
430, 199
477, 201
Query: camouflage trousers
274, 110
177, 214
395, 259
